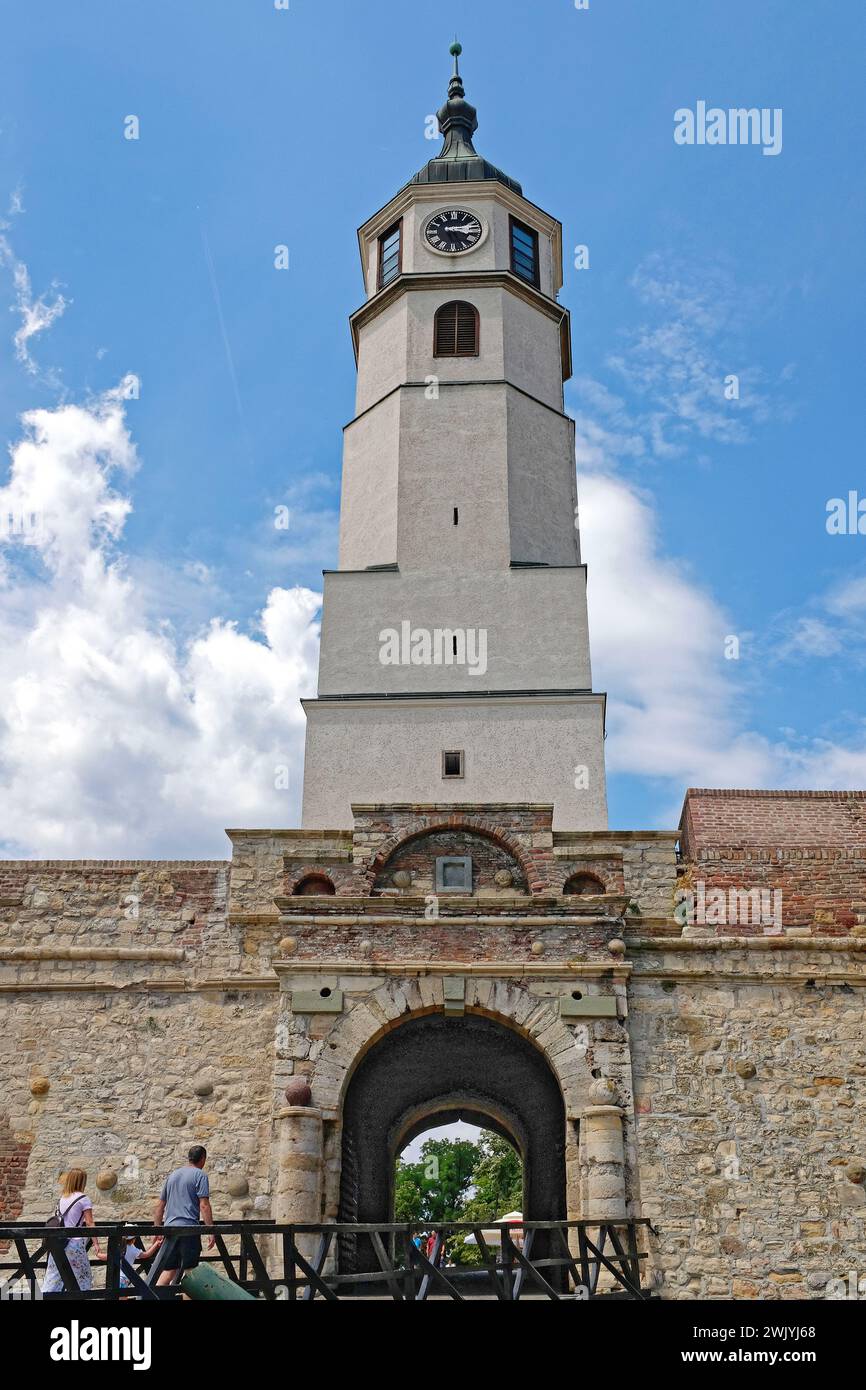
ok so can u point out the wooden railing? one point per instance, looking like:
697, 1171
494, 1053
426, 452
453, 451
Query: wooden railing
557, 1260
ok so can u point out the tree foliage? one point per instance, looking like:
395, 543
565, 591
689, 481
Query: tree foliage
497, 1180
435, 1188
456, 1180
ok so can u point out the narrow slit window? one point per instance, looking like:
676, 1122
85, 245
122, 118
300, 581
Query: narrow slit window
524, 252
390, 254
456, 517
456, 330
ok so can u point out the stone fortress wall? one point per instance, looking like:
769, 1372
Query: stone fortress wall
749, 1054
714, 1075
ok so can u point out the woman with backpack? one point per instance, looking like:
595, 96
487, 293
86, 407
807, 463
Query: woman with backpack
73, 1209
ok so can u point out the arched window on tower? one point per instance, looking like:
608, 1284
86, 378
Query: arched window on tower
456, 330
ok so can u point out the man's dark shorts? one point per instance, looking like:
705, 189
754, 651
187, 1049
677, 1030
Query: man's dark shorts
184, 1252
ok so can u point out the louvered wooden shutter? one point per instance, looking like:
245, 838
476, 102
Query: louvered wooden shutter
456, 331
467, 344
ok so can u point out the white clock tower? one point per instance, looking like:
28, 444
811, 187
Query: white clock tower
455, 653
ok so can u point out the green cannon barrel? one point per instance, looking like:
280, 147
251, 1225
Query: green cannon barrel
204, 1285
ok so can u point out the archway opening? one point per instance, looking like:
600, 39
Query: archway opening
435, 1069
584, 885
458, 1166
313, 885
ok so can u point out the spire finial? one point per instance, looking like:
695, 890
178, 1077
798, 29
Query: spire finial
455, 87
458, 159
457, 119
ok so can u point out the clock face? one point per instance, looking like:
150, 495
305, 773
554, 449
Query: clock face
453, 231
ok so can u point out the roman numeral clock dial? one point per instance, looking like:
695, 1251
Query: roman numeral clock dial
453, 231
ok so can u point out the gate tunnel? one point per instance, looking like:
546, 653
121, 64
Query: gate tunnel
443, 1068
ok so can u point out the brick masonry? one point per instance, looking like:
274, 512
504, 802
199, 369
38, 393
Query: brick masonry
808, 846
14, 1158
772, 819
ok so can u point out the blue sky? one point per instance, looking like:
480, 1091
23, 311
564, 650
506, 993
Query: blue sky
703, 518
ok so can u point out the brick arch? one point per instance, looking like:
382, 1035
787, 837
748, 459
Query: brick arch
473, 825
338, 874
584, 883
316, 880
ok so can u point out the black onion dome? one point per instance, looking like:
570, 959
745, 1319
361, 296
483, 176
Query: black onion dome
458, 161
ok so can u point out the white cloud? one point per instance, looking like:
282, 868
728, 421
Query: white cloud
59, 483
658, 648
679, 712
198, 571
822, 764
810, 637
677, 709
849, 599
116, 739
37, 313
676, 371
832, 625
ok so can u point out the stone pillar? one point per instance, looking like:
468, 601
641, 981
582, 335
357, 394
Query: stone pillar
300, 1171
604, 1155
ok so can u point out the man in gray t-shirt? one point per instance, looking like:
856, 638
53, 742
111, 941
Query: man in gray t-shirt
184, 1201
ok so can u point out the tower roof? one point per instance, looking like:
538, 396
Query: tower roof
458, 161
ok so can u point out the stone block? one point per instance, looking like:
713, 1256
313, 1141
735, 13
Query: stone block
454, 995
317, 1001
590, 1006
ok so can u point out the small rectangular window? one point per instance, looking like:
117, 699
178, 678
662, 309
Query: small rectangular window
456, 517
524, 252
390, 254
454, 874
452, 763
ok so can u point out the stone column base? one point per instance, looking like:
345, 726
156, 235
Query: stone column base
604, 1156
300, 1173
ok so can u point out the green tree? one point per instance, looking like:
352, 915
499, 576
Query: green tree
409, 1192
455, 1180
497, 1181
435, 1189
497, 1187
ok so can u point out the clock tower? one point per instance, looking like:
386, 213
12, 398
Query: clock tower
454, 661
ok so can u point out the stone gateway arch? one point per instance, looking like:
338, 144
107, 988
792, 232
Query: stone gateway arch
437, 1068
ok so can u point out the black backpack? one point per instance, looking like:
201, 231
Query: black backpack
55, 1220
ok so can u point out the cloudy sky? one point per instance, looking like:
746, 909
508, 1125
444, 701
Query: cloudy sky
164, 390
